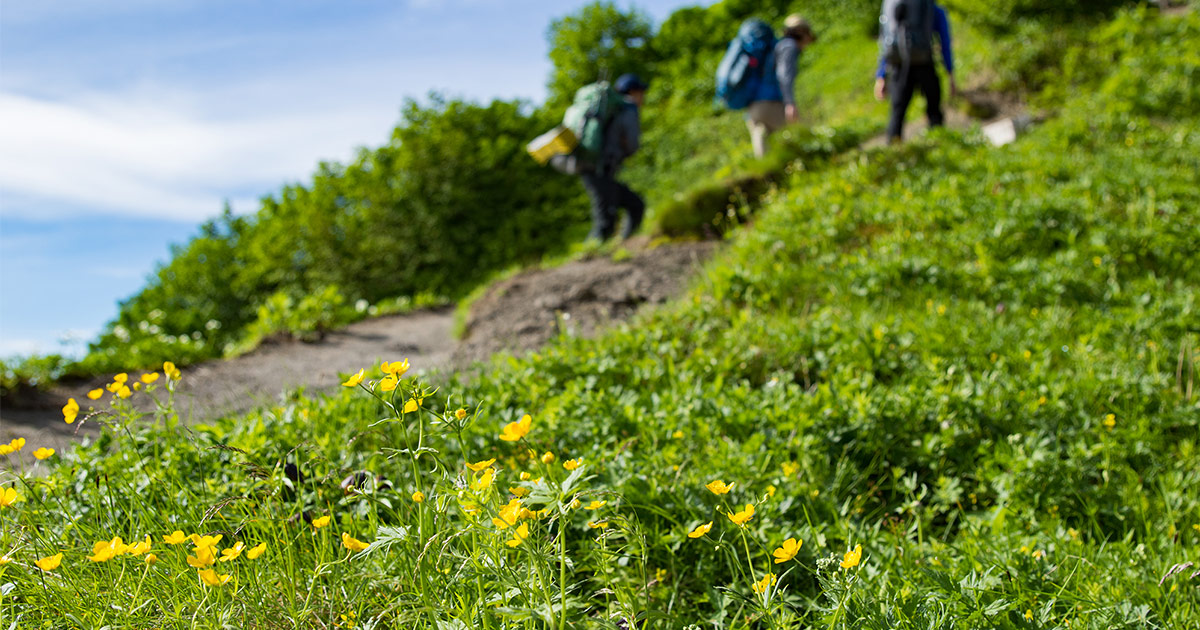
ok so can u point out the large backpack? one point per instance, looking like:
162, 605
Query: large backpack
906, 32
740, 74
588, 117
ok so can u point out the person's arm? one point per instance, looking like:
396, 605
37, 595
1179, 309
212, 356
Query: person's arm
785, 73
941, 26
631, 131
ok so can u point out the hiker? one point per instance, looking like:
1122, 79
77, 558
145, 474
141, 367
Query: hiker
621, 140
906, 60
773, 101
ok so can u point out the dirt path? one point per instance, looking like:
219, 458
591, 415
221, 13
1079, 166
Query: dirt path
516, 315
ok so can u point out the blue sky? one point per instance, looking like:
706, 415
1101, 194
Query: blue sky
126, 123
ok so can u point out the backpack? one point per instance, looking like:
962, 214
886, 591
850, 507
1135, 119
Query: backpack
906, 32
588, 117
740, 73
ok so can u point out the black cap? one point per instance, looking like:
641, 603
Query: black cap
627, 83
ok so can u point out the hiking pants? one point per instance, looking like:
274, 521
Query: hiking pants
903, 84
607, 195
764, 118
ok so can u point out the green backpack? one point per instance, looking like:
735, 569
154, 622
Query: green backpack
595, 106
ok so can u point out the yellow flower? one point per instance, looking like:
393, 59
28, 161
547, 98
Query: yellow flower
4, 560
852, 557
484, 481
320, 521
598, 524
1039, 554
1028, 614
508, 514
95, 394
524, 476
470, 509
204, 557
102, 551
231, 553
352, 543
575, 504
8, 496
256, 551
171, 371
514, 431
389, 383
139, 548
121, 378
717, 486
203, 542
43, 453
212, 578
1110, 421
354, 380
478, 466
547, 458
519, 535
518, 490
460, 414
765, 583
124, 392
149, 377
572, 464
788, 551
113, 387
396, 369
677, 435
70, 410
700, 530
151, 559
174, 538
740, 518
771, 490
595, 505
49, 563
418, 497
413, 404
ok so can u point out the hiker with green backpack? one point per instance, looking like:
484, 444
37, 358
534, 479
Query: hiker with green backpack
605, 123
906, 60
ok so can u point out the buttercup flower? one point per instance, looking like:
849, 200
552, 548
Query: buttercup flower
514, 431
547, 458
852, 558
460, 414
124, 392
788, 551
717, 486
174, 538
790, 468
320, 521
103, 551
518, 491
140, 547
206, 541
508, 514
765, 583
49, 563
121, 378
413, 404
149, 377
598, 524
700, 530
740, 518
231, 553
43, 453
256, 551
212, 578
8, 496
70, 410
204, 557
396, 369
519, 535
354, 380
571, 464
389, 383
1110, 421
151, 558
595, 505
95, 394
484, 481
478, 466
352, 543
418, 497
4, 560
171, 371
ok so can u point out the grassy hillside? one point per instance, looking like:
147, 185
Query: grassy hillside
961, 380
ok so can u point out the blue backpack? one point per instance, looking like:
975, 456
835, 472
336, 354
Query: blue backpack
749, 56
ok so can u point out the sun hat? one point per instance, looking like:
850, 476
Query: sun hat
627, 83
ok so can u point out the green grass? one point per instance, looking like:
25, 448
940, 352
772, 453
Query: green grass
978, 364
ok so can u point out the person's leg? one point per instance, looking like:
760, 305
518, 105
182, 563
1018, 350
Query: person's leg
902, 93
604, 207
758, 130
635, 208
931, 87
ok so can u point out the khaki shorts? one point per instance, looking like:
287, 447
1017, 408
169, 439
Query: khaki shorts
764, 118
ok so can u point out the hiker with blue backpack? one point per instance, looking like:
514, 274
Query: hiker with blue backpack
758, 74
906, 60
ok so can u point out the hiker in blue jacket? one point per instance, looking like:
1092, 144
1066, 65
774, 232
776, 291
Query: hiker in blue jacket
775, 104
906, 60
621, 140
